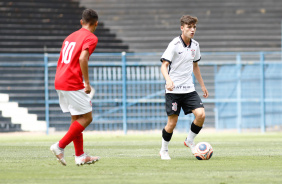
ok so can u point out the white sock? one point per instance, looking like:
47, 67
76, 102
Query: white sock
164, 145
191, 136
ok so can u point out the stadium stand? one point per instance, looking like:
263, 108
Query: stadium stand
22, 84
141, 26
224, 25
29, 26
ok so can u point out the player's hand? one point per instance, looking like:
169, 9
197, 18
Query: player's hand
87, 89
169, 85
205, 91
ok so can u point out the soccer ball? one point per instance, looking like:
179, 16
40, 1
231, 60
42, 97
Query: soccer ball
203, 151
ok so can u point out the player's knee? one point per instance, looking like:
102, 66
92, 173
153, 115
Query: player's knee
201, 116
171, 125
172, 121
90, 119
87, 121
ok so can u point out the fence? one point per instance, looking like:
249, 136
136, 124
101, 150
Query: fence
129, 91
245, 90
252, 89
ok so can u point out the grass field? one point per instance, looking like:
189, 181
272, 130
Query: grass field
237, 158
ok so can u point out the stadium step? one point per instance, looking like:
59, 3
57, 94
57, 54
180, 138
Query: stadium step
20, 115
37, 27
148, 22
9, 127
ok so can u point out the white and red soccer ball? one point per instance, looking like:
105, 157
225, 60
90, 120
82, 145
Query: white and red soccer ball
203, 151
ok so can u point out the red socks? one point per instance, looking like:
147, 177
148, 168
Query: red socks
78, 145
73, 132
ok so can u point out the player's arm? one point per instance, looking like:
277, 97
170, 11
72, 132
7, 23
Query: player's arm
83, 61
169, 83
197, 73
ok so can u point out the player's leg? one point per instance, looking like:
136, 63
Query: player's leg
166, 136
172, 110
80, 157
57, 151
75, 134
79, 123
195, 128
80, 107
78, 104
76, 128
194, 104
77, 141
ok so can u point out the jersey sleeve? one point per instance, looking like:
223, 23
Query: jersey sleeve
169, 52
90, 43
198, 54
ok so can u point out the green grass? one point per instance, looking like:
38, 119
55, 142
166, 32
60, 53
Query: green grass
238, 158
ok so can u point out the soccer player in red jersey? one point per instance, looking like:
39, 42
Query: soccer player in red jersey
72, 68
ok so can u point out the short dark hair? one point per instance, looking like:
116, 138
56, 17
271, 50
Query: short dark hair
187, 19
89, 16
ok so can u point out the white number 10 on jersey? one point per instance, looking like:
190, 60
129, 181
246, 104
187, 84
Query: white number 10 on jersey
67, 51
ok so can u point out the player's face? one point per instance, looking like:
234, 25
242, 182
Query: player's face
188, 30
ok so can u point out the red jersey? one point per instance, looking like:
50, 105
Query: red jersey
69, 75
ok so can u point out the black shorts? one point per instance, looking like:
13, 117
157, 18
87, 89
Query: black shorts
187, 101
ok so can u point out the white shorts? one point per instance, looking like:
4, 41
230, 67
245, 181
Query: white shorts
75, 102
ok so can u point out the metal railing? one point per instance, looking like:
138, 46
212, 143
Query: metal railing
130, 89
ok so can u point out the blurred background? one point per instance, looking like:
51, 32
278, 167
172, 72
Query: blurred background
241, 63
